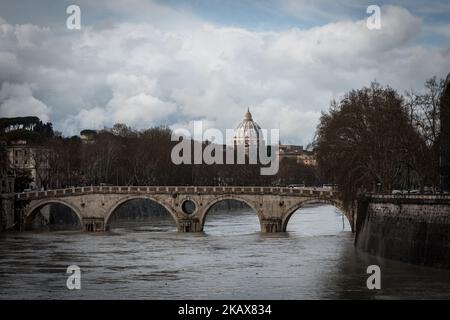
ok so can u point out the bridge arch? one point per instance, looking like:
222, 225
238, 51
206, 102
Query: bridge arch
117, 204
33, 209
334, 202
225, 197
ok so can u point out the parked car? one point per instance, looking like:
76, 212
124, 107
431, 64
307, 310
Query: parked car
105, 185
296, 186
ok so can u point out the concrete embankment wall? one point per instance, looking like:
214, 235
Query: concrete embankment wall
413, 229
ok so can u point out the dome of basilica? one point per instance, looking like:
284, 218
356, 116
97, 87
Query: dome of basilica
248, 132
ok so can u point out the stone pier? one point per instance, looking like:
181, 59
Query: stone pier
189, 225
271, 225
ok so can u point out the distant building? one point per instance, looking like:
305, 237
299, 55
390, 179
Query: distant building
248, 132
290, 151
308, 158
298, 154
34, 159
88, 136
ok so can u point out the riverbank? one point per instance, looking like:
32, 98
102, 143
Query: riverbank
412, 229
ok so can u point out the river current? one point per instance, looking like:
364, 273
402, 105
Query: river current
231, 259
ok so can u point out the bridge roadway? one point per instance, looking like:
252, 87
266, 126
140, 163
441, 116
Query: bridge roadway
188, 206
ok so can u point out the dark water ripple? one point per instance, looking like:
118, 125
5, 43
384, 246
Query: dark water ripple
316, 259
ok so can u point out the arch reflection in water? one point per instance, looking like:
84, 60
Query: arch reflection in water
318, 220
231, 217
52, 216
141, 215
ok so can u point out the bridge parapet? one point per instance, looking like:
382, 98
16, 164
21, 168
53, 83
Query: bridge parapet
174, 190
399, 199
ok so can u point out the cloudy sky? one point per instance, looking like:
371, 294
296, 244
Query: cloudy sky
147, 63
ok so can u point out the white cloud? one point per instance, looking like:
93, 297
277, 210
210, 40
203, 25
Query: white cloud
29, 35
18, 101
177, 68
140, 110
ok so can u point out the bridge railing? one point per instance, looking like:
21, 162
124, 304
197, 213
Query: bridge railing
409, 196
175, 189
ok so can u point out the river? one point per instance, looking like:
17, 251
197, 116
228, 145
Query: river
148, 259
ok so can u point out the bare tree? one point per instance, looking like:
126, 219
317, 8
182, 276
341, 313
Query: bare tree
366, 141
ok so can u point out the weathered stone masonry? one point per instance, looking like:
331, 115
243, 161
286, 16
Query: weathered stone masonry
413, 229
95, 205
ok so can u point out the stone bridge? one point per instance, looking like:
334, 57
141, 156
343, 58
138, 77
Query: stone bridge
188, 206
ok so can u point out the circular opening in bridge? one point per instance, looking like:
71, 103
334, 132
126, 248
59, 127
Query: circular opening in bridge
188, 207
318, 219
141, 215
53, 217
231, 217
